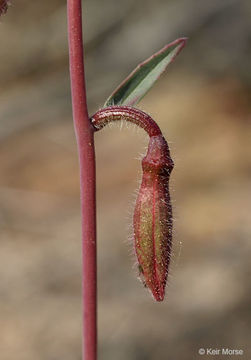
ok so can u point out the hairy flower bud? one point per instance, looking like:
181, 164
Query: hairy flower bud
153, 217
153, 212
3, 6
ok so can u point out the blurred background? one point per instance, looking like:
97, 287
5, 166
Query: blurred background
202, 104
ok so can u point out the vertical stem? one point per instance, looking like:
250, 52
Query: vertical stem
84, 134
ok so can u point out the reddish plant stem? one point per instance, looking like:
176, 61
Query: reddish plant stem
85, 141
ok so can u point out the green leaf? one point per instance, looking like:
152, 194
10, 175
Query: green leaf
136, 85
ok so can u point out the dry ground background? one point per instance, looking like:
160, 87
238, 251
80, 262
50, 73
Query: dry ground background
203, 107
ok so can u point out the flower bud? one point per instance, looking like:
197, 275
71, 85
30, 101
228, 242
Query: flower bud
153, 212
153, 217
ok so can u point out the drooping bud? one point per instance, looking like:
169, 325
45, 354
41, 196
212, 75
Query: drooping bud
3, 6
153, 217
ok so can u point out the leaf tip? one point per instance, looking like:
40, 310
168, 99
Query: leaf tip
182, 41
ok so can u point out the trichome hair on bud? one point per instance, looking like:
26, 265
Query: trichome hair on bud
3, 6
152, 220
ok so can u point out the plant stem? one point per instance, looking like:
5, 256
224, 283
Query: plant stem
85, 141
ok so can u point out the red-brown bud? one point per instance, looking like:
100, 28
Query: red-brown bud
153, 217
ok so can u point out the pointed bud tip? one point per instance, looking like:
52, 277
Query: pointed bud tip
159, 294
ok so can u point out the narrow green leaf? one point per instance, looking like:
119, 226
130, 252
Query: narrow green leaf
136, 85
